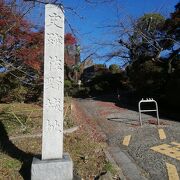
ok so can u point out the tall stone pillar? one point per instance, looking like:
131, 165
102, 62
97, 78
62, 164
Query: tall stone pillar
53, 100
54, 165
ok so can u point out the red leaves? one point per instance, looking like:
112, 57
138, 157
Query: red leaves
70, 39
2, 22
87, 123
32, 50
70, 49
22, 42
19, 40
69, 60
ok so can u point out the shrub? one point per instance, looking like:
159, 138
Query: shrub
18, 94
148, 78
67, 84
114, 68
68, 87
107, 83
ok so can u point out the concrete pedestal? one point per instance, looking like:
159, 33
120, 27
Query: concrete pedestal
58, 169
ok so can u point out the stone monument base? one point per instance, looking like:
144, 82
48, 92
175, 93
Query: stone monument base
56, 169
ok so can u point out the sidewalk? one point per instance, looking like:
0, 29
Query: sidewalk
147, 152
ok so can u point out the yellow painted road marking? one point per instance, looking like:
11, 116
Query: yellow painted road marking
126, 140
172, 150
162, 134
172, 172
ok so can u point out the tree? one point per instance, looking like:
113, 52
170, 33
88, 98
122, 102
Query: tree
145, 39
173, 23
21, 48
70, 49
143, 46
114, 68
152, 73
21, 51
172, 89
173, 32
72, 58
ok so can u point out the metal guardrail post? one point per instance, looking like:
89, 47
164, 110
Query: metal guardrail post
147, 100
140, 118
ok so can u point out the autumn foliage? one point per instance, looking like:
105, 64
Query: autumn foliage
21, 55
19, 43
32, 52
70, 39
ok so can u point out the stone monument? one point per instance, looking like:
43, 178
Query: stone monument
54, 165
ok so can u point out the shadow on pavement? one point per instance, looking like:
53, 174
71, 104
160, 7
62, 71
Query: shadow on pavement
124, 120
128, 101
7, 147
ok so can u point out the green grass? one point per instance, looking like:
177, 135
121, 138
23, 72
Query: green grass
111, 168
87, 154
9, 163
9, 167
20, 118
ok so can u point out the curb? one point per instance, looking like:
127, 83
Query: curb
129, 169
111, 160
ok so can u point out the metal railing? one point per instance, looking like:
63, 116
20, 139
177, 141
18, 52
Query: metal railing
147, 100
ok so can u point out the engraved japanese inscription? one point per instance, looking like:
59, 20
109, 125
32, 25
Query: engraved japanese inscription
53, 83
55, 19
55, 63
54, 38
54, 103
53, 125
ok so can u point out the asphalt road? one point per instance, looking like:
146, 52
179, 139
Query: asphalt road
148, 152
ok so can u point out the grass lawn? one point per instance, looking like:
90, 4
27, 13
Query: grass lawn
20, 141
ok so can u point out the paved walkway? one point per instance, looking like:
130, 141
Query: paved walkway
147, 152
